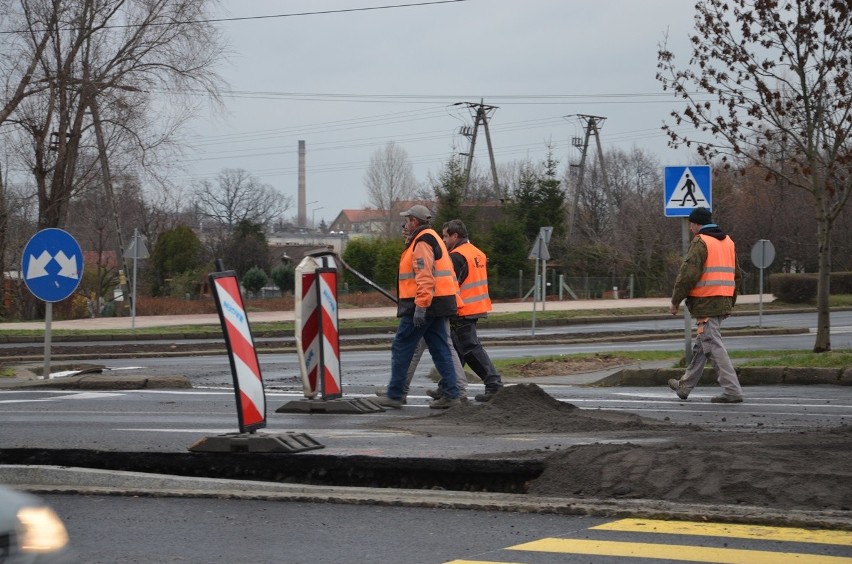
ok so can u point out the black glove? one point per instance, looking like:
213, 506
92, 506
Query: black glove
419, 316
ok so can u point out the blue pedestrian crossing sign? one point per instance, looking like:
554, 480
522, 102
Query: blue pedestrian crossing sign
687, 188
52, 265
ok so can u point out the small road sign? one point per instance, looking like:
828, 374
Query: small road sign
763, 253
686, 188
52, 265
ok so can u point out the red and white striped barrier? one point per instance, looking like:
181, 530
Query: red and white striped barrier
317, 336
245, 369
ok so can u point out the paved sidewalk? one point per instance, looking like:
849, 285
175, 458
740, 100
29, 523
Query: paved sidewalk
143, 322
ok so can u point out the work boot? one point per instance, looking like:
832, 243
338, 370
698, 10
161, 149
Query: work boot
726, 399
674, 384
487, 396
385, 401
435, 393
444, 402
383, 392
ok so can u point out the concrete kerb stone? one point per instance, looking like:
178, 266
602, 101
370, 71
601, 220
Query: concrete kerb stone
67, 480
98, 382
748, 376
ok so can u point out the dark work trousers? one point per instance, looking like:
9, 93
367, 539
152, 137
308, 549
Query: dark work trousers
471, 352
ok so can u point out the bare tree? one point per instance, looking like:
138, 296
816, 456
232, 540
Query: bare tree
103, 65
780, 96
390, 179
18, 72
237, 196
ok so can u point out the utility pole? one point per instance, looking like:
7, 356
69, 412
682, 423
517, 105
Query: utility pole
480, 113
591, 127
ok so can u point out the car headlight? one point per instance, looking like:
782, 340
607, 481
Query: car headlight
41, 530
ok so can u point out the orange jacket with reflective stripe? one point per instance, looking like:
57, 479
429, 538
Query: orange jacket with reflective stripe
718, 276
426, 277
474, 287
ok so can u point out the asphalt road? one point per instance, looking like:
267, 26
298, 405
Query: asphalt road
113, 530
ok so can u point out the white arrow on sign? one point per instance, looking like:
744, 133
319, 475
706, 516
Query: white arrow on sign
35, 268
68, 265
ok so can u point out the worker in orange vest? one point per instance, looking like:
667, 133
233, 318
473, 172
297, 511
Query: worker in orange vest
708, 281
470, 265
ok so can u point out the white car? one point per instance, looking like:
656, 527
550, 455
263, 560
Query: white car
30, 531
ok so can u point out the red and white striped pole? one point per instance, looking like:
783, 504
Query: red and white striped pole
317, 333
245, 368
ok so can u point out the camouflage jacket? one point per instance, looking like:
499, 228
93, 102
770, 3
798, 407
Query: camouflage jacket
690, 273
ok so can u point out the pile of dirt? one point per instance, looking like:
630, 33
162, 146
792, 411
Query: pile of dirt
526, 408
802, 469
568, 365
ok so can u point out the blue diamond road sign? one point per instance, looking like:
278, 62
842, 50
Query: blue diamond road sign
52, 265
687, 188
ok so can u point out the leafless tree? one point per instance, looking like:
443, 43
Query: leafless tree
769, 83
237, 196
389, 180
104, 64
16, 71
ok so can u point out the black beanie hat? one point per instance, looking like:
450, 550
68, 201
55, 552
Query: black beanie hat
701, 216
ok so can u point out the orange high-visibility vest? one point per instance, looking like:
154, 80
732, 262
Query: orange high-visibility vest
718, 277
474, 289
445, 277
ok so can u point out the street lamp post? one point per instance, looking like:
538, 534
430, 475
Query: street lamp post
302, 218
313, 215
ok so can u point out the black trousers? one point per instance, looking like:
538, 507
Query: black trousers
472, 353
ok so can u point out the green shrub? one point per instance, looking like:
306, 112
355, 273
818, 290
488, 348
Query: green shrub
841, 283
284, 276
794, 288
254, 279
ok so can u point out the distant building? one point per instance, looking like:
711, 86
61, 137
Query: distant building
374, 222
360, 222
290, 248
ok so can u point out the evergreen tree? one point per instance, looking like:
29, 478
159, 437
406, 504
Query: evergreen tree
254, 279
177, 251
284, 276
247, 247
508, 252
449, 195
550, 197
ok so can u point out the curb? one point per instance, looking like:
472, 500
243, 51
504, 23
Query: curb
69, 480
747, 375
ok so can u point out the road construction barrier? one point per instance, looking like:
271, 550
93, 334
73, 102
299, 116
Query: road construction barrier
317, 337
245, 368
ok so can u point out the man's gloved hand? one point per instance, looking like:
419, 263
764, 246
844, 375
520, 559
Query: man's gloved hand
419, 316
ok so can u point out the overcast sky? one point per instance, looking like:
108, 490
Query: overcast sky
347, 83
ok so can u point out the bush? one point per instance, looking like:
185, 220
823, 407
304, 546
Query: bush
793, 288
254, 279
284, 276
841, 283
802, 288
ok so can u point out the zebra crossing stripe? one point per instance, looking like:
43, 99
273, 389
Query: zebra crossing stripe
754, 532
676, 552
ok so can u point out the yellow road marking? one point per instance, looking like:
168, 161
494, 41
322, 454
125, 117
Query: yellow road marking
757, 532
675, 552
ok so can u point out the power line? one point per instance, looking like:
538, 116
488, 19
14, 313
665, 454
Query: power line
265, 17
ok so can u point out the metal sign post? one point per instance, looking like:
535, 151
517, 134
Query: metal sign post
52, 263
762, 255
687, 318
136, 250
684, 189
539, 252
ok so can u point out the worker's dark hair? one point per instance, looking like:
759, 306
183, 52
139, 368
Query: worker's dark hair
456, 227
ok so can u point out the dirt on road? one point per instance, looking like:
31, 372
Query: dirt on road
657, 460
